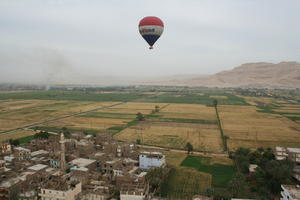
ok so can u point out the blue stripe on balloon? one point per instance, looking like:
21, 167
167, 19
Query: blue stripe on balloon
151, 39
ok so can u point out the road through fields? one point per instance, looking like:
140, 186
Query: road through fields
58, 119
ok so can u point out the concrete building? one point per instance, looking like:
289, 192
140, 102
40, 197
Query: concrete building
296, 173
67, 191
252, 168
290, 192
151, 159
82, 164
22, 153
201, 197
290, 153
39, 153
5, 148
132, 195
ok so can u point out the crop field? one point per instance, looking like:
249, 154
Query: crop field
221, 174
291, 111
184, 183
205, 98
17, 134
192, 175
247, 127
188, 111
18, 113
257, 100
133, 108
83, 123
173, 126
75, 95
204, 137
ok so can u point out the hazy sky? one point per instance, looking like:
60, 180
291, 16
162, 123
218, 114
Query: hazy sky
48, 40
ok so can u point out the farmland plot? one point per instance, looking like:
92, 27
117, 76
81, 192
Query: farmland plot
248, 128
82, 123
204, 137
188, 111
18, 113
134, 107
15, 135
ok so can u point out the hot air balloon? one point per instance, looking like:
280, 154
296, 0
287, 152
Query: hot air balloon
151, 29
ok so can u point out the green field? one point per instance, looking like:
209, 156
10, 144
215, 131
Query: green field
74, 95
184, 183
127, 96
221, 174
194, 98
110, 115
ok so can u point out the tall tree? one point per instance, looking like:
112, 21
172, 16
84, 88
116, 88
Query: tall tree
140, 116
273, 174
215, 102
238, 186
156, 108
189, 147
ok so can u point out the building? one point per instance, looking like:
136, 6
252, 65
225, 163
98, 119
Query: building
201, 197
22, 153
82, 164
82, 167
132, 195
60, 191
151, 159
296, 173
5, 148
290, 192
290, 153
252, 168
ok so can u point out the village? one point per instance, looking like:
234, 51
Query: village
78, 167
92, 167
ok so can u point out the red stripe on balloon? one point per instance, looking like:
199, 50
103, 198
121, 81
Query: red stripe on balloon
151, 21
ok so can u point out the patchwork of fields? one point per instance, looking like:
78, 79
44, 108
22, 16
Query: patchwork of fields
192, 175
175, 125
18, 113
183, 117
183, 182
246, 127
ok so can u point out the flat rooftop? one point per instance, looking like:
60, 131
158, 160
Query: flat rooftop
39, 152
21, 149
294, 190
280, 149
82, 162
37, 167
10, 182
294, 150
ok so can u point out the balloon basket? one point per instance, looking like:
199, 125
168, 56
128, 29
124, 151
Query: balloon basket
151, 47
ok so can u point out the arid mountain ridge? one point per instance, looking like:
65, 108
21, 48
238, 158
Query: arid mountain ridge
249, 75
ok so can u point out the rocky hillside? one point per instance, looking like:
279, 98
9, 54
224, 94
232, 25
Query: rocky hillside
258, 75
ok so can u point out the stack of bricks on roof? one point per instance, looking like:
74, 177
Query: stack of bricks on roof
80, 167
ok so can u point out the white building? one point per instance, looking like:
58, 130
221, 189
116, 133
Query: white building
252, 168
291, 153
290, 192
70, 194
132, 196
151, 159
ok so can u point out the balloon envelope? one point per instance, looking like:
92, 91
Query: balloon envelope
151, 29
